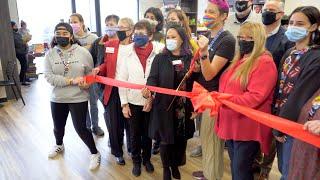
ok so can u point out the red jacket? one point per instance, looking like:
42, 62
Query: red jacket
108, 68
257, 95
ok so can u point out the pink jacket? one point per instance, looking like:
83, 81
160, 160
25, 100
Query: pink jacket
257, 95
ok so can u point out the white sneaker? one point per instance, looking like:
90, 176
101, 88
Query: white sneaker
56, 150
95, 160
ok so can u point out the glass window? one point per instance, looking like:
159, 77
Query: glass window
87, 9
42, 16
121, 8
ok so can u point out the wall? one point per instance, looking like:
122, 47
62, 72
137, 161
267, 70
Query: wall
14, 15
290, 5
145, 4
7, 52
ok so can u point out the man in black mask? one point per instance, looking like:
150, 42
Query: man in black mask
243, 12
21, 49
277, 43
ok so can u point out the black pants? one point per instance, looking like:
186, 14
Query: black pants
78, 112
116, 123
139, 123
173, 155
24, 66
242, 155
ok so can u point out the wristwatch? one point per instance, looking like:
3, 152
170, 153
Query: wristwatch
204, 57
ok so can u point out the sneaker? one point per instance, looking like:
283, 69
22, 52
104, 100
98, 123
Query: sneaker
95, 160
56, 150
198, 175
156, 148
136, 171
175, 172
149, 167
120, 161
197, 152
98, 131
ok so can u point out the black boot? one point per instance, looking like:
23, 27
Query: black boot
136, 171
166, 173
175, 172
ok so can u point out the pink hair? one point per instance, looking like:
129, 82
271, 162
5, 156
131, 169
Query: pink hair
223, 4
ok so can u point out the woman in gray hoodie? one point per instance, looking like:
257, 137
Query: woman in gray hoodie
65, 65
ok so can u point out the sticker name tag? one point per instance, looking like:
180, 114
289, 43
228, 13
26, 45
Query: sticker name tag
176, 62
110, 50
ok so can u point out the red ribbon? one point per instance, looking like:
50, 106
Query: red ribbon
202, 99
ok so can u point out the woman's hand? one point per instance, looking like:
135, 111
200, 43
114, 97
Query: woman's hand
126, 111
95, 71
146, 93
203, 43
83, 85
194, 115
281, 139
77, 80
148, 105
313, 127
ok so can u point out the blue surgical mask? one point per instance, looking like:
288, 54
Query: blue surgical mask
140, 40
111, 31
295, 33
172, 44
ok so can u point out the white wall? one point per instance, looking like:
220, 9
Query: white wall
290, 5
14, 15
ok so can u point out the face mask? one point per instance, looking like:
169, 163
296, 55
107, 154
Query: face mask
140, 40
241, 5
172, 44
110, 31
295, 34
268, 17
246, 47
209, 21
121, 35
15, 30
75, 28
62, 41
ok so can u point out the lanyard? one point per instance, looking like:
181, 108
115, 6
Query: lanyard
215, 39
65, 62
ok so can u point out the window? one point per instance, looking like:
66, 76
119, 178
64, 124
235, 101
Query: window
42, 16
121, 8
87, 9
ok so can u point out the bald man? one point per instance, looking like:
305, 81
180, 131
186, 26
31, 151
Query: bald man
277, 43
243, 12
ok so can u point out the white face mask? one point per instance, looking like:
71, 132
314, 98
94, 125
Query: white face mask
172, 44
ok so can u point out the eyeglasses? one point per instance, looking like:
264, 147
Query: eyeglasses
271, 10
244, 38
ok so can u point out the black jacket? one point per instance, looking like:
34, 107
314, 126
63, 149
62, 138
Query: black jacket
306, 85
279, 45
162, 121
20, 46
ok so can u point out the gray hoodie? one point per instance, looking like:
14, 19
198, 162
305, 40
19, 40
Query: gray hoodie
80, 63
87, 39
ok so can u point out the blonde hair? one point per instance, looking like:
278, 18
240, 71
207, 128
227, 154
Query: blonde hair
259, 36
128, 21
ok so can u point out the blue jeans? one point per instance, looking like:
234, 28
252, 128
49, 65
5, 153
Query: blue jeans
242, 155
92, 114
284, 154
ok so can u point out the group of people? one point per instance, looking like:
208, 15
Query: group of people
261, 64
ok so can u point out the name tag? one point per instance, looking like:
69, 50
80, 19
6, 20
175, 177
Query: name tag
176, 62
110, 50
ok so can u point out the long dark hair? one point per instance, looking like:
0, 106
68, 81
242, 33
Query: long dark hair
313, 15
158, 15
185, 46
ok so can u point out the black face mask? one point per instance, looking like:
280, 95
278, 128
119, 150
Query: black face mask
15, 30
121, 35
63, 41
268, 17
241, 5
246, 47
